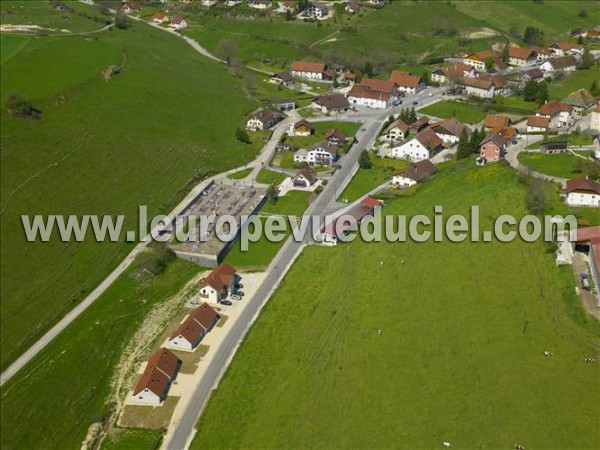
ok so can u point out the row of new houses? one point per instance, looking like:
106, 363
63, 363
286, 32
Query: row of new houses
162, 367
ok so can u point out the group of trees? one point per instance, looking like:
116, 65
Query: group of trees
468, 145
19, 106
535, 92
408, 116
242, 135
534, 36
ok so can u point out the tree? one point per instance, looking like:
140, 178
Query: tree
227, 49
586, 60
364, 160
594, 89
530, 91
541, 95
368, 69
121, 21
582, 13
580, 40
271, 194
426, 76
336, 84
533, 36
505, 53
538, 197
489, 63
17, 105
289, 16
463, 150
242, 135
412, 118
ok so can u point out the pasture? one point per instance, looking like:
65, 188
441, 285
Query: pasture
102, 147
559, 89
559, 165
448, 108
445, 347
366, 180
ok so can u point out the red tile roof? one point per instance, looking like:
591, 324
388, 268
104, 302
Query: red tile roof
521, 53
538, 122
494, 121
553, 107
429, 139
160, 370
197, 324
223, 275
303, 66
418, 170
386, 86
405, 79
583, 184
398, 123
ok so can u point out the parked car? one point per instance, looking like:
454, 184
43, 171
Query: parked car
226, 302
585, 282
415, 103
240, 293
235, 297
430, 94
239, 286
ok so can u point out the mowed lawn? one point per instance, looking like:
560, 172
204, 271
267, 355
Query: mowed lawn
102, 147
448, 108
559, 165
559, 89
79, 364
459, 357
365, 180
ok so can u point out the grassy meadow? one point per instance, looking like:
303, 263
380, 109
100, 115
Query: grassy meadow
459, 356
101, 147
36, 416
366, 180
559, 165
448, 108
559, 89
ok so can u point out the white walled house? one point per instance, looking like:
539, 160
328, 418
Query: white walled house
308, 70
414, 173
595, 119
263, 120
178, 23
537, 124
396, 131
374, 93
449, 130
521, 57
478, 88
583, 192
193, 329
406, 82
423, 146
559, 113
323, 153
563, 64
154, 383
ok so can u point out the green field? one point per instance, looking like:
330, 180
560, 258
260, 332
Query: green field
294, 203
574, 140
366, 180
267, 176
240, 175
515, 102
102, 147
132, 439
52, 21
462, 111
79, 364
559, 165
559, 89
460, 353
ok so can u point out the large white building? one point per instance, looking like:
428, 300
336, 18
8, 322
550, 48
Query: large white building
153, 385
423, 146
311, 71
583, 192
374, 93
323, 153
478, 87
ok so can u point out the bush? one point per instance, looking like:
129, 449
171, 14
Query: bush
18, 106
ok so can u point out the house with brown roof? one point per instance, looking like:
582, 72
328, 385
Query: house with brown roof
420, 124
533, 75
301, 128
414, 173
311, 71
424, 145
352, 7
305, 177
449, 130
374, 93
193, 329
407, 82
443, 75
154, 383
542, 53
559, 113
178, 23
130, 7
339, 226
263, 120
282, 78
478, 87
336, 136
479, 59
563, 64
331, 104
581, 100
564, 48
160, 17
537, 124
492, 121
492, 148
219, 283
396, 131
520, 57
583, 192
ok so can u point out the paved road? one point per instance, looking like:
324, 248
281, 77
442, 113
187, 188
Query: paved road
179, 437
512, 156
